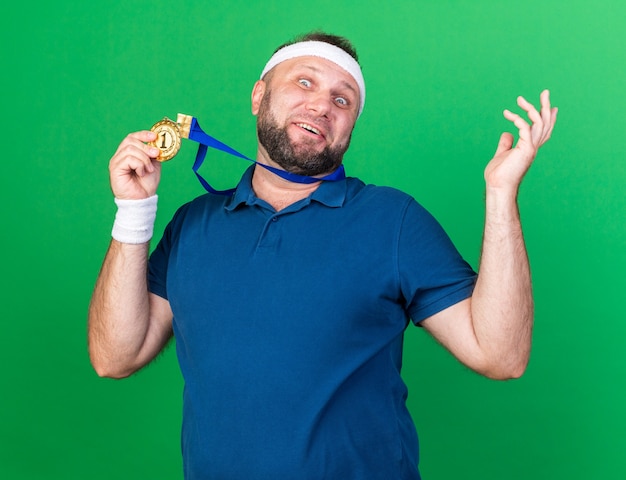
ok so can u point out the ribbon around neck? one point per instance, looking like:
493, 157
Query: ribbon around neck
198, 135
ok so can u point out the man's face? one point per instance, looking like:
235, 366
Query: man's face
306, 112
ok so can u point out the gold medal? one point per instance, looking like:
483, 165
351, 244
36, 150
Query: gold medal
169, 134
167, 140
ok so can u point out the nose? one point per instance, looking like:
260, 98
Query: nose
319, 103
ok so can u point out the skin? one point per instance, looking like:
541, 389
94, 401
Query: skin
490, 332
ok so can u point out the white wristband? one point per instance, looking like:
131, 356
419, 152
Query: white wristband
134, 220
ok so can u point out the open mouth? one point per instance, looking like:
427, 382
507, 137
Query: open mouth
309, 128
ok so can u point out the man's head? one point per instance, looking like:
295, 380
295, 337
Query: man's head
337, 49
310, 94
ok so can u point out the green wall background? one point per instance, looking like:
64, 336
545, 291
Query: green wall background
78, 76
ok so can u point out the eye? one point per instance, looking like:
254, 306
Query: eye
341, 101
304, 82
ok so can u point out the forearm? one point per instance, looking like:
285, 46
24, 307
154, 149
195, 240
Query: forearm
502, 303
119, 314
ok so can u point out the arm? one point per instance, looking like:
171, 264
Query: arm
491, 331
128, 326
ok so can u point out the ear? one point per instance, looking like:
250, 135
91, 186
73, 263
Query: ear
258, 91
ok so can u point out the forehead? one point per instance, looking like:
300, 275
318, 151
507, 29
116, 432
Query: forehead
320, 67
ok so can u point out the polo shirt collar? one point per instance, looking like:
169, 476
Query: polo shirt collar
330, 193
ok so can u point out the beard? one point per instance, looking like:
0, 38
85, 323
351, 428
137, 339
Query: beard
301, 159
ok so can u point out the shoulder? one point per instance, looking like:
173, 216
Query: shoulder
207, 201
383, 198
356, 188
197, 209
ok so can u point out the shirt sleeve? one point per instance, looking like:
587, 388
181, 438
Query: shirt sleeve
433, 275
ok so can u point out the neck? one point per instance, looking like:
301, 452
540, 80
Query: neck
277, 191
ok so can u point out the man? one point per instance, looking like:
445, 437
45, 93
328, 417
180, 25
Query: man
289, 300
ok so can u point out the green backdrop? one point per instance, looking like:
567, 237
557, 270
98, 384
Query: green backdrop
78, 76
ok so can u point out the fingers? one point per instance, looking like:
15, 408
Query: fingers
544, 99
532, 112
140, 138
524, 129
549, 114
542, 122
135, 154
537, 127
517, 120
133, 169
505, 143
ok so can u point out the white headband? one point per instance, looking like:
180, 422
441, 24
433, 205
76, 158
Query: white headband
322, 50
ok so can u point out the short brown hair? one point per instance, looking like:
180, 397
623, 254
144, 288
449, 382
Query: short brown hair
319, 36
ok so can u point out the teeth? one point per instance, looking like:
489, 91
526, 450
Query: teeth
309, 128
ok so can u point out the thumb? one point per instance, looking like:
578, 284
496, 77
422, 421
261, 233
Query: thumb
505, 143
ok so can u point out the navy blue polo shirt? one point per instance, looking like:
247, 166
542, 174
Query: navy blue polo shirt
289, 328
